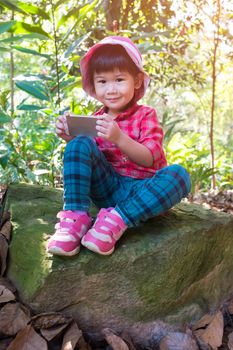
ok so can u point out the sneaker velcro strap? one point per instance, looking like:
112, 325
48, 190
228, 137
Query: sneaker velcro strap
68, 214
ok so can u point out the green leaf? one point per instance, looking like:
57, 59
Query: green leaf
60, 2
24, 28
5, 26
4, 118
4, 155
24, 37
72, 13
31, 52
75, 44
28, 107
4, 49
12, 5
82, 13
33, 10
34, 88
76, 83
85, 9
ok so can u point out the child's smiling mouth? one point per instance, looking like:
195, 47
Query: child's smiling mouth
115, 99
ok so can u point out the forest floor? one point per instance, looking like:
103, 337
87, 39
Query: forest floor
19, 330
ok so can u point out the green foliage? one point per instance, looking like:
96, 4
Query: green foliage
30, 150
46, 41
35, 88
192, 151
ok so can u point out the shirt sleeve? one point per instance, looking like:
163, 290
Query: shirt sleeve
151, 135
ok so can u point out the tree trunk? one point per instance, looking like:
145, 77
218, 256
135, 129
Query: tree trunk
214, 81
113, 12
12, 68
56, 55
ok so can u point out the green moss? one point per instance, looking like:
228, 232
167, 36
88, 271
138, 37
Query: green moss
33, 210
157, 268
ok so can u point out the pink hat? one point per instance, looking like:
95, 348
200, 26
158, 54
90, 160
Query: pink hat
133, 53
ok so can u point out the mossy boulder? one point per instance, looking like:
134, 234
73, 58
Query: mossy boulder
173, 267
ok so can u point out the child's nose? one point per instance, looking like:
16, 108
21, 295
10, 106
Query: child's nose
111, 88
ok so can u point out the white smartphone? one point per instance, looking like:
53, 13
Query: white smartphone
81, 125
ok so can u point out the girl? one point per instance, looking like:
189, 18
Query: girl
124, 170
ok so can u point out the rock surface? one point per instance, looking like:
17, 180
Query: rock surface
174, 267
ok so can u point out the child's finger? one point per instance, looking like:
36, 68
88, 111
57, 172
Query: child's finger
59, 125
102, 122
105, 117
61, 118
100, 134
62, 127
101, 129
59, 131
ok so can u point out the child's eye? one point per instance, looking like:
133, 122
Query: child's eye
119, 80
101, 81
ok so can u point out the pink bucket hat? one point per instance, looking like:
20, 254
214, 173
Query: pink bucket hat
133, 53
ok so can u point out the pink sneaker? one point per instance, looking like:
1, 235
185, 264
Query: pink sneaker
107, 229
69, 231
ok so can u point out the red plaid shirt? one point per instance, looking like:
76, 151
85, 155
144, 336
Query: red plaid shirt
141, 124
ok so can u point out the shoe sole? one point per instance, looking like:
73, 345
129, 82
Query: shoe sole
94, 248
59, 251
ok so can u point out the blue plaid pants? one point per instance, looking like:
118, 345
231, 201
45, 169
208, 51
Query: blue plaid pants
89, 177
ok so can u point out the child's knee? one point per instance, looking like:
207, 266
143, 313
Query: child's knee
180, 172
80, 142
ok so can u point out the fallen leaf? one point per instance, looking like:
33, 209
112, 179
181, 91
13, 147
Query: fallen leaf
202, 345
6, 283
13, 318
5, 295
114, 341
71, 337
127, 338
3, 253
52, 332
28, 339
213, 333
203, 322
6, 230
178, 341
82, 344
230, 341
49, 319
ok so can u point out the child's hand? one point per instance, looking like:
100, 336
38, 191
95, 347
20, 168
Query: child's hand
62, 128
108, 129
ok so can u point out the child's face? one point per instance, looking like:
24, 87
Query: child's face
115, 89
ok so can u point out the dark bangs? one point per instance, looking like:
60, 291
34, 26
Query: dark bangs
108, 57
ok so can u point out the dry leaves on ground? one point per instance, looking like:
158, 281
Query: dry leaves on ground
28, 339
13, 318
5, 294
218, 200
210, 329
114, 341
72, 337
230, 341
